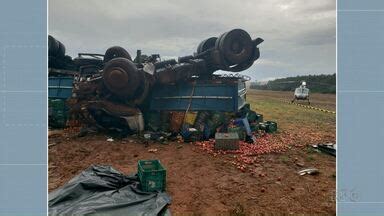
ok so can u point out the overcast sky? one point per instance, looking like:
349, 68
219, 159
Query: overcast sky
299, 35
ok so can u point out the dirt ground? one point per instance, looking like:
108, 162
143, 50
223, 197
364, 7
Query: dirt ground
209, 184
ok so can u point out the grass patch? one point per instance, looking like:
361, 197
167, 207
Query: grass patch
293, 116
307, 123
310, 158
238, 210
311, 150
284, 159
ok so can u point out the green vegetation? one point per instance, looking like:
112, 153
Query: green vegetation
316, 83
289, 116
238, 210
310, 158
310, 150
284, 159
306, 126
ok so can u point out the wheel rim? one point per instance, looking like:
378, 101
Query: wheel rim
236, 46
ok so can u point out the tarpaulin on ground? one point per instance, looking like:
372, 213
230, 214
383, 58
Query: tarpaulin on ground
102, 190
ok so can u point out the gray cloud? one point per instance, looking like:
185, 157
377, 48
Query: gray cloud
299, 35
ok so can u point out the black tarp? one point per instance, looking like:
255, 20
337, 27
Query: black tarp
102, 190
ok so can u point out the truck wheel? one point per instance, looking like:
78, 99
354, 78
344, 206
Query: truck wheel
53, 46
61, 50
121, 77
116, 52
236, 46
206, 44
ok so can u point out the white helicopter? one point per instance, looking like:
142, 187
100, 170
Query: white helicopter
301, 93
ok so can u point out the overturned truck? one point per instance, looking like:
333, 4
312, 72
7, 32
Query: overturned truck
115, 92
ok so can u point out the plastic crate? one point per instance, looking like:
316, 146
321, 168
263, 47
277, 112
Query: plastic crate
272, 127
251, 116
190, 118
152, 175
254, 126
57, 113
259, 118
226, 141
268, 126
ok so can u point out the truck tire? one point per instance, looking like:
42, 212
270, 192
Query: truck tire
206, 44
236, 46
121, 77
116, 52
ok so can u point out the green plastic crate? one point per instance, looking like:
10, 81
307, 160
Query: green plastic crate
152, 175
254, 126
268, 126
272, 127
259, 118
252, 116
57, 113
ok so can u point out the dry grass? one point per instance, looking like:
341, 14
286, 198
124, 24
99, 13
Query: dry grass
296, 119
